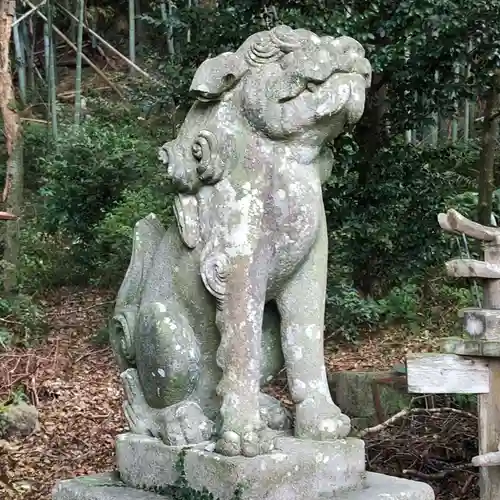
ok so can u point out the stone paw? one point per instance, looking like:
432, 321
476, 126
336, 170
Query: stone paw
137, 412
273, 414
249, 444
318, 418
183, 424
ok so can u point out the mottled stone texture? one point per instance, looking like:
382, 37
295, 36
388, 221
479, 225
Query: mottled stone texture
293, 470
211, 308
374, 487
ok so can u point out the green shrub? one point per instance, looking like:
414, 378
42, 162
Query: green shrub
347, 311
22, 321
113, 236
86, 171
384, 227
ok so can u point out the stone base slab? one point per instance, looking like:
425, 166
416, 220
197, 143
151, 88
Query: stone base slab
108, 487
295, 470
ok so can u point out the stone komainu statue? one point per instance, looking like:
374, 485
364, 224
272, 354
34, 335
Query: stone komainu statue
212, 308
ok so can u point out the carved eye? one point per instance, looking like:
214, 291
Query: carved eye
197, 151
229, 80
164, 157
312, 87
201, 150
204, 149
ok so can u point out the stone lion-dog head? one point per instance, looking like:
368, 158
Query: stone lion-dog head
283, 85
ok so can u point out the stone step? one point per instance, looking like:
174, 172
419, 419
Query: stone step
105, 486
109, 487
381, 487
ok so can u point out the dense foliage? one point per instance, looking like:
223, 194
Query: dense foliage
88, 188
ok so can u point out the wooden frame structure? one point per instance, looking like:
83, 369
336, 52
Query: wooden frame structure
471, 365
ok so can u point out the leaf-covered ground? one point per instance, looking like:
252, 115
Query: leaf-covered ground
75, 386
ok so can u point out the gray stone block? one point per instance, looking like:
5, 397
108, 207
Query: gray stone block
145, 462
294, 470
100, 487
353, 393
381, 487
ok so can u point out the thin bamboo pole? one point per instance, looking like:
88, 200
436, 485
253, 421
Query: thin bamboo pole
21, 60
84, 57
131, 32
52, 69
109, 46
28, 45
454, 122
27, 14
190, 4
79, 51
166, 18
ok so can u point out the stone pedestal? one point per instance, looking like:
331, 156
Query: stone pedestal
292, 471
295, 470
109, 487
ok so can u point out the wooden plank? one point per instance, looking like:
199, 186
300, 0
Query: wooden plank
470, 268
491, 296
489, 433
471, 347
481, 324
490, 459
446, 374
454, 222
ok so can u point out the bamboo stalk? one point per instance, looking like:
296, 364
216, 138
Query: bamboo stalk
434, 129
27, 14
79, 51
21, 59
29, 53
190, 4
84, 57
165, 18
454, 122
131, 32
52, 69
109, 46
467, 107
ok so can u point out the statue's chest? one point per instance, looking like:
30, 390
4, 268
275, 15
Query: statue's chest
295, 211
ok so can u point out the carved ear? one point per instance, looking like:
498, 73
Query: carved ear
188, 220
217, 75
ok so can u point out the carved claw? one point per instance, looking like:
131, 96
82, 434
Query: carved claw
248, 444
184, 424
137, 411
321, 420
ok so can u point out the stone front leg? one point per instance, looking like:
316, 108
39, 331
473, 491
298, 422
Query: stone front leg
239, 320
302, 308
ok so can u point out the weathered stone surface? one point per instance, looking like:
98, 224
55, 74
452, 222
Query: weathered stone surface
211, 308
381, 487
146, 462
101, 487
353, 391
18, 420
108, 487
294, 470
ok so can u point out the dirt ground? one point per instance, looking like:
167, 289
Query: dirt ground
74, 384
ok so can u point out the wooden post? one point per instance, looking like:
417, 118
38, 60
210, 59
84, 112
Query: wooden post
472, 364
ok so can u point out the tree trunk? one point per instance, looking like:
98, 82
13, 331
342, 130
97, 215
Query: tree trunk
371, 136
13, 190
486, 178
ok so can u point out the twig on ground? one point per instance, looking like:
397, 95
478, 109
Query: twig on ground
411, 411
